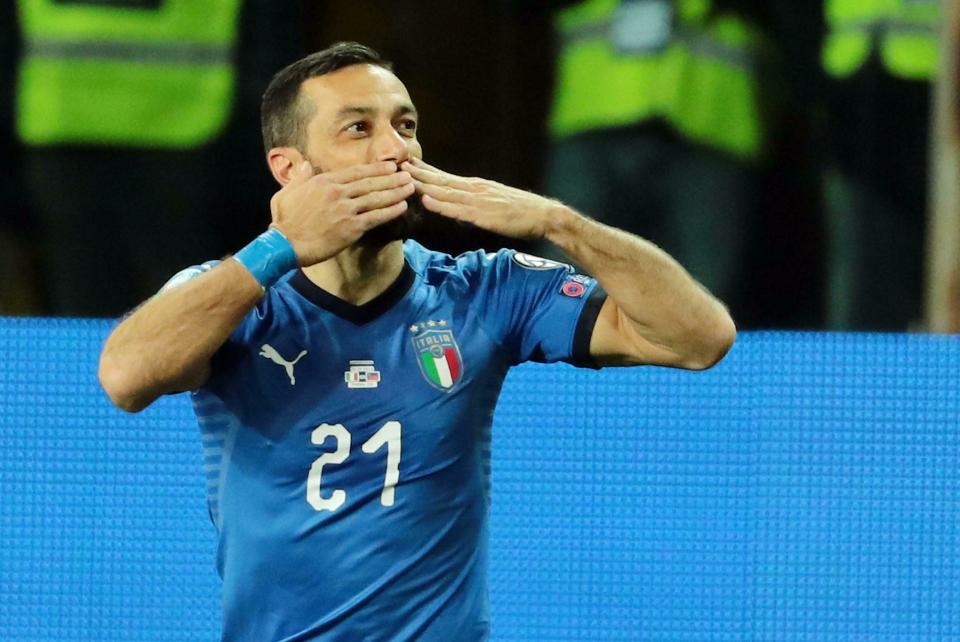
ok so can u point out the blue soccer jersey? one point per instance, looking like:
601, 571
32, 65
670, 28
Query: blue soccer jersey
347, 447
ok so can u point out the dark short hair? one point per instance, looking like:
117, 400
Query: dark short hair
284, 113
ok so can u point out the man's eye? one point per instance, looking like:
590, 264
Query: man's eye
407, 127
357, 128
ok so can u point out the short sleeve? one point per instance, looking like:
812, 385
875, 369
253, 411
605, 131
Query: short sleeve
186, 274
539, 310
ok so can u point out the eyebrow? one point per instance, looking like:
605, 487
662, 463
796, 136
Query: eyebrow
405, 109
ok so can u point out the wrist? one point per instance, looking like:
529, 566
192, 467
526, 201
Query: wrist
268, 257
563, 225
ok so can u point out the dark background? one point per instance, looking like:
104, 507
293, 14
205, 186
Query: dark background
480, 74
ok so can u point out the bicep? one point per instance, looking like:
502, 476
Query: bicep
615, 341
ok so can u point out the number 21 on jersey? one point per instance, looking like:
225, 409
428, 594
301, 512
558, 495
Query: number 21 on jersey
388, 435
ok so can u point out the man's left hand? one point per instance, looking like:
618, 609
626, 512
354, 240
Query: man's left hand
487, 204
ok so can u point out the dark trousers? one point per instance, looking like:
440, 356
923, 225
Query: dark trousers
876, 250
875, 193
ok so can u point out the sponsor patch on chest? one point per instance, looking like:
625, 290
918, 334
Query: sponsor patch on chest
362, 374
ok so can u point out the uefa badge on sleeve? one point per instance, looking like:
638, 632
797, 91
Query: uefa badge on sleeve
573, 289
438, 354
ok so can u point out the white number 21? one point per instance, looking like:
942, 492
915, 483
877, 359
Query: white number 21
388, 434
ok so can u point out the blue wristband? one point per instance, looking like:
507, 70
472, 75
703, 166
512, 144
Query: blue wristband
268, 257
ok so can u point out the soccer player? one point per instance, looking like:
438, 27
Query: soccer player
345, 380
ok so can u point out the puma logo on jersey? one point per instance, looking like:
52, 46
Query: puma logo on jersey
267, 351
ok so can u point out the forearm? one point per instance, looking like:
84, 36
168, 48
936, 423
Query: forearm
656, 313
166, 344
655, 294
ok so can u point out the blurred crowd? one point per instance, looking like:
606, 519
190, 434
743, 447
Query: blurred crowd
777, 149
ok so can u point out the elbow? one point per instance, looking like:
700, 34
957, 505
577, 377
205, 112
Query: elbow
715, 342
116, 382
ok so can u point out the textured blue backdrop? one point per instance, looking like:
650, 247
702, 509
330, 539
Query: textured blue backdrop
808, 488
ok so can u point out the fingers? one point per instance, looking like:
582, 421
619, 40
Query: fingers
300, 174
356, 172
444, 193
429, 174
383, 198
379, 216
459, 211
419, 162
364, 186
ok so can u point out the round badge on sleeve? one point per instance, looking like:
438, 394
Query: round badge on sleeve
573, 289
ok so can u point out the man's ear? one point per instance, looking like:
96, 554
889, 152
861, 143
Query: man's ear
282, 161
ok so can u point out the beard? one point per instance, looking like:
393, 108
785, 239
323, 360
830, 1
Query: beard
400, 228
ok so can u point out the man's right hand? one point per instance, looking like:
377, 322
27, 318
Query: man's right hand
323, 214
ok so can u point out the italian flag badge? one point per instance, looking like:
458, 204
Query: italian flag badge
438, 356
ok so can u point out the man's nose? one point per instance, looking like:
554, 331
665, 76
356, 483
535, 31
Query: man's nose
391, 146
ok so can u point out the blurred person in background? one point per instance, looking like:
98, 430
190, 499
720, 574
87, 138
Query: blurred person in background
120, 108
19, 288
880, 58
659, 125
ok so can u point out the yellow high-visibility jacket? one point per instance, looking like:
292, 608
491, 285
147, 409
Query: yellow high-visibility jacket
703, 82
155, 74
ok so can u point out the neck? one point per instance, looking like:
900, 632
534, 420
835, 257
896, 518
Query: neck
359, 273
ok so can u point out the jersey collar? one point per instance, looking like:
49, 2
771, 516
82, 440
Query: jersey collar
357, 314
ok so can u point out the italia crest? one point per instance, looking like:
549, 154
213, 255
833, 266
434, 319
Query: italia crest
438, 354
